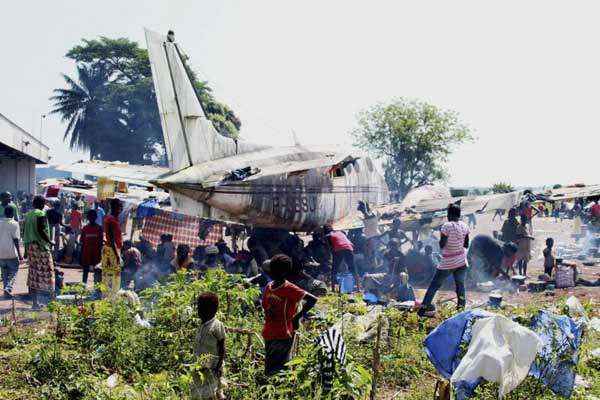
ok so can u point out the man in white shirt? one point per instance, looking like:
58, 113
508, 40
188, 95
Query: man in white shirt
10, 252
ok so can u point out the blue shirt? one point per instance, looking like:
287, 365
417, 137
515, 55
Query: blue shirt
100, 216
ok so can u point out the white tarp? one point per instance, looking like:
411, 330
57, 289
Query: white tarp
500, 351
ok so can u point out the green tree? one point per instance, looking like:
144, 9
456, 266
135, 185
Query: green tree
82, 107
413, 139
502, 187
128, 127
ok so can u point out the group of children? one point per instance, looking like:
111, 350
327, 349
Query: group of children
281, 304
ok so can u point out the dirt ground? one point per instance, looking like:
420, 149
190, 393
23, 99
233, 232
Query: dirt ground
561, 231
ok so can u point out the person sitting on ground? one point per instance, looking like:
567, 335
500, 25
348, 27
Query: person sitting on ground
182, 261
549, 259
282, 319
10, 250
132, 262
430, 263
524, 241
209, 347
393, 256
211, 259
342, 251
392, 284
165, 251
489, 258
91, 247
69, 246
454, 241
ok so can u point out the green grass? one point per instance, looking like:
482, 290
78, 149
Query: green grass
71, 356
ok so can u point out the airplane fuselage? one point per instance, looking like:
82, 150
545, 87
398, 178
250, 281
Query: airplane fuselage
295, 188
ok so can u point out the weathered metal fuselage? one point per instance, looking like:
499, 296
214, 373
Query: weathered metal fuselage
294, 188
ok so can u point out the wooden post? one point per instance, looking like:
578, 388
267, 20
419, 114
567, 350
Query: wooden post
376, 360
13, 312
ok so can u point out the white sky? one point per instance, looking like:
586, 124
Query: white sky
525, 75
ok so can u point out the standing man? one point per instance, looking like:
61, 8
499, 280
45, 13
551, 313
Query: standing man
6, 201
55, 220
454, 241
111, 252
10, 252
36, 237
282, 319
342, 250
91, 247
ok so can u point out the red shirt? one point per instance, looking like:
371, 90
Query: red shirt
280, 305
112, 222
596, 210
340, 242
76, 218
91, 239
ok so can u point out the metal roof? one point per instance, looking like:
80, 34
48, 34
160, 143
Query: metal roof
20, 142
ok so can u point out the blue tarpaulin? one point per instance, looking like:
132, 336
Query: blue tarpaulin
554, 365
443, 343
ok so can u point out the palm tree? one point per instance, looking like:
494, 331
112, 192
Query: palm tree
81, 106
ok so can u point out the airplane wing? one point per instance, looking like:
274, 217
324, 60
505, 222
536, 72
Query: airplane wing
431, 212
118, 171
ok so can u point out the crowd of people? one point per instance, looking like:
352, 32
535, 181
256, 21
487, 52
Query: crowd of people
383, 262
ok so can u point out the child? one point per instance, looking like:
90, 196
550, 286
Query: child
549, 260
182, 260
132, 262
280, 302
210, 346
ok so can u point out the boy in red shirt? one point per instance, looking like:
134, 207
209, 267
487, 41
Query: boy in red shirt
280, 303
91, 246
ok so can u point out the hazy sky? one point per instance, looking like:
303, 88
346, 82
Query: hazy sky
524, 75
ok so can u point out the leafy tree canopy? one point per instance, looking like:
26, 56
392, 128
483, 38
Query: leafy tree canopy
110, 107
502, 187
413, 138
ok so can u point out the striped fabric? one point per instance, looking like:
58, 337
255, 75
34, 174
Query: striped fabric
333, 350
184, 228
454, 254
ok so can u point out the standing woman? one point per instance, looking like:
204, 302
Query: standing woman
36, 237
111, 252
454, 241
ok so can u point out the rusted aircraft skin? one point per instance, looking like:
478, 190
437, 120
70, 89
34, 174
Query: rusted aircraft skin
283, 195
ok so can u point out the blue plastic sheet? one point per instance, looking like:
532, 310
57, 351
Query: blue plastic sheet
561, 337
442, 345
556, 362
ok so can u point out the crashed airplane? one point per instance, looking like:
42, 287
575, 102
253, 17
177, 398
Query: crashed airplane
297, 188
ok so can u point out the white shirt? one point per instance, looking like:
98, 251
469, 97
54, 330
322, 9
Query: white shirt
9, 231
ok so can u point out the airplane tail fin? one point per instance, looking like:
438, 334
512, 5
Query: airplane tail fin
190, 138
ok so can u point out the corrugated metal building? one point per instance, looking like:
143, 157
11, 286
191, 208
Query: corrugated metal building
19, 153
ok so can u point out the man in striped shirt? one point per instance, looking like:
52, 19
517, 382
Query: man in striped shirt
454, 241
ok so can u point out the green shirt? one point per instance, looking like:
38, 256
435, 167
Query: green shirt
31, 234
13, 206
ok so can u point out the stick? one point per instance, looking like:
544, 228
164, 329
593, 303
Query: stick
376, 360
13, 312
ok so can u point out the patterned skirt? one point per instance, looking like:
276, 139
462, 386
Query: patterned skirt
41, 269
